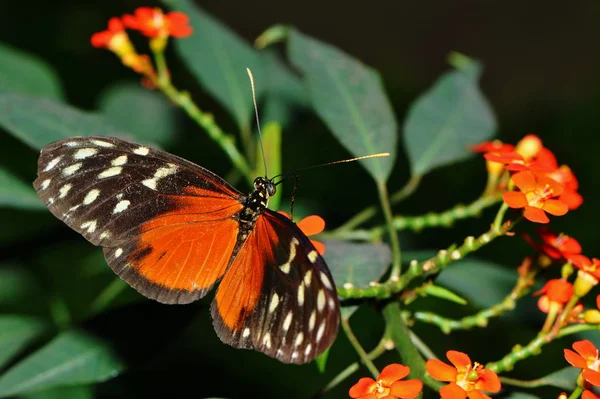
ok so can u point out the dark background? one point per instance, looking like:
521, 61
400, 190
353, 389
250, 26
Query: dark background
541, 60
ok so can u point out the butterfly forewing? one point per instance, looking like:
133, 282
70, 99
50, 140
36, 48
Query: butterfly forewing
288, 309
166, 223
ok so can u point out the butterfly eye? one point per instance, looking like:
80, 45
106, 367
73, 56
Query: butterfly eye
271, 190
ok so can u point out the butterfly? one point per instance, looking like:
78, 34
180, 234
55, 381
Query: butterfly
173, 230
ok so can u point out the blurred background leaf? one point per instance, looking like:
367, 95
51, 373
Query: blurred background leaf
16, 194
16, 333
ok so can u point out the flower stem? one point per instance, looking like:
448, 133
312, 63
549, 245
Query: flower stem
204, 119
358, 348
500, 216
393, 234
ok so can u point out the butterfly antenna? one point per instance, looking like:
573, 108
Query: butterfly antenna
262, 147
286, 176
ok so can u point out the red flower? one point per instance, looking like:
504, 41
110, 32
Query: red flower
114, 38
152, 22
588, 274
555, 246
536, 196
529, 147
587, 394
466, 379
556, 292
564, 175
310, 226
495, 146
586, 359
387, 385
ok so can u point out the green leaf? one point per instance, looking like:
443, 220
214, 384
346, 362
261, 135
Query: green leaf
72, 358
68, 392
16, 284
321, 361
350, 98
443, 293
444, 121
271, 137
38, 122
218, 58
358, 264
26, 74
16, 333
146, 114
564, 378
14, 193
284, 91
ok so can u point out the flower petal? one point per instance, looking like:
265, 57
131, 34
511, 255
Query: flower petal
515, 199
408, 389
587, 394
363, 387
535, 215
525, 181
575, 359
477, 394
585, 348
555, 207
319, 246
489, 381
452, 391
460, 360
591, 376
392, 373
440, 370
312, 225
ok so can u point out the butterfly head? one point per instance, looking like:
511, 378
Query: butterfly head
264, 185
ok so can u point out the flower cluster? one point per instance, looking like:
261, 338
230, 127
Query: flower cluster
586, 358
150, 22
542, 185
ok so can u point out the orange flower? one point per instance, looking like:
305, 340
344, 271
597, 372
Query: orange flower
536, 196
564, 175
529, 147
466, 379
310, 226
387, 385
152, 22
586, 359
495, 146
557, 293
587, 394
555, 246
588, 274
114, 38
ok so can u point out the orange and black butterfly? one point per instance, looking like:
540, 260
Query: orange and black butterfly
172, 230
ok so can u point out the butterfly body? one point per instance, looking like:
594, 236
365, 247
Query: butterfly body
173, 230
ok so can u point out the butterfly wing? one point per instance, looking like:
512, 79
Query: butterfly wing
278, 296
167, 225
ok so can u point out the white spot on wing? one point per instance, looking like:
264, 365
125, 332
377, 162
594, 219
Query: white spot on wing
114, 171
274, 302
308, 349
326, 281
45, 184
312, 320
246, 332
267, 340
142, 151
287, 265
288, 321
64, 190
105, 234
90, 226
331, 302
118, 252
321, 331
91, 196
313, 256
321, 300
119, 161
85, 152
121, 206
101, 143
150, 183
301, 294
160, 174
52, 163
307, 278
69, 170
299, 339
71, 144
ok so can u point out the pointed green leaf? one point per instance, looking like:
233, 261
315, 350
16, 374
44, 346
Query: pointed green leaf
16, 333
72, 392
146, 114
72, 358
350, 98
218, 57
443, 293
321, 361
271, 137
26, 74
38, 122
358, 264
448, 118
15, 193
564, 378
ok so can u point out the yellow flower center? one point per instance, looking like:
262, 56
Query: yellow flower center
382, 391
537, 197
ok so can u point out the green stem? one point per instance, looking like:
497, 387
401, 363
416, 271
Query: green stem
429, 266
393, 234
576, 393
204, 119
112, 291
500, 216
359, 349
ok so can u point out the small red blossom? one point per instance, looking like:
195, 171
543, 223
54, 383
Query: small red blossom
152, 22
555, 246
114, 38
495, 146
537, 196
555, 294
565, 176
387, 385
587, 394
465, 378
529, 147
585, 357
588, 274
310, 226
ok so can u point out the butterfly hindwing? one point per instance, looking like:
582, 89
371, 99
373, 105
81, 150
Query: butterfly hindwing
166, 224
278, 296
